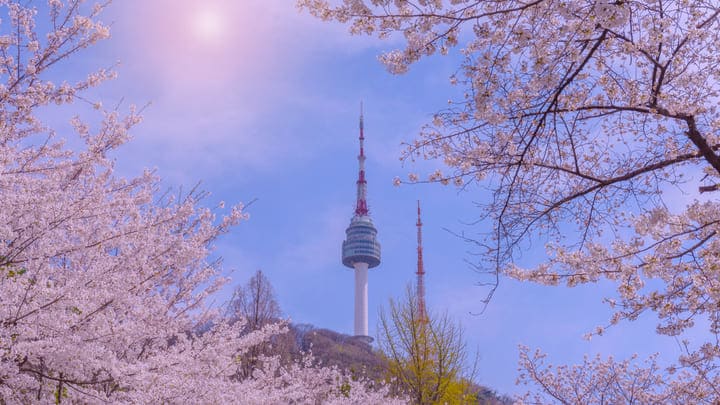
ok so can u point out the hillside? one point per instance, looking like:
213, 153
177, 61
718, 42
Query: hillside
354, 354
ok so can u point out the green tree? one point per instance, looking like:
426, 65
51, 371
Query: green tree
427, 359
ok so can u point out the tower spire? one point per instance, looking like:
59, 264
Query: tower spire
361, 208
422, 312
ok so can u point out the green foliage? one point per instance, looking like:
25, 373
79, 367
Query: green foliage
60, 393
345, 389
426, 357
12, 271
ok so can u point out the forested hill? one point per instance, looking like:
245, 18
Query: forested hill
353, 354
254, 305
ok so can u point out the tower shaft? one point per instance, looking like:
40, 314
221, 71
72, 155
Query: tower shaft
361, 299
422, 312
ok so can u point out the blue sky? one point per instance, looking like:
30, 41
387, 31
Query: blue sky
265, 106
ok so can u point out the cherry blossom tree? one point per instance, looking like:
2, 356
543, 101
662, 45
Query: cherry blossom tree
581, 117
103, 280
606, 381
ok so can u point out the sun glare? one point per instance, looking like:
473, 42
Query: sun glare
208, 24
182, 40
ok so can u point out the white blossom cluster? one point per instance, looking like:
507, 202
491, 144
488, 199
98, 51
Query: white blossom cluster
598, 381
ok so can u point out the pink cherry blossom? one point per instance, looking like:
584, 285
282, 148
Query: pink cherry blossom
103, 280
580, 117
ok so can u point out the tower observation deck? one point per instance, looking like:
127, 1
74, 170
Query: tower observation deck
360, 249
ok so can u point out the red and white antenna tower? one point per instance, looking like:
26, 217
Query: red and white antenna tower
422, 312
360, 249
361, 207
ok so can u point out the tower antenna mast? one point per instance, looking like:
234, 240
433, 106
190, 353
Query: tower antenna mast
422, 311
361, 207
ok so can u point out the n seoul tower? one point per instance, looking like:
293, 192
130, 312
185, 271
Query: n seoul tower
360, 249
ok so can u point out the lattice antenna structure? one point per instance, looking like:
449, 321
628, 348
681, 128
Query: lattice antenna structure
420, 292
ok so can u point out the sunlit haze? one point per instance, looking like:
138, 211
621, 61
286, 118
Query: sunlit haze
208, 24
175, 43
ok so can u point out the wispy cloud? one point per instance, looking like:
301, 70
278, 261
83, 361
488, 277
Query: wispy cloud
312, 252
217, 99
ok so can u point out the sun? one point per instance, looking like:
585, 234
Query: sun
208, 24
